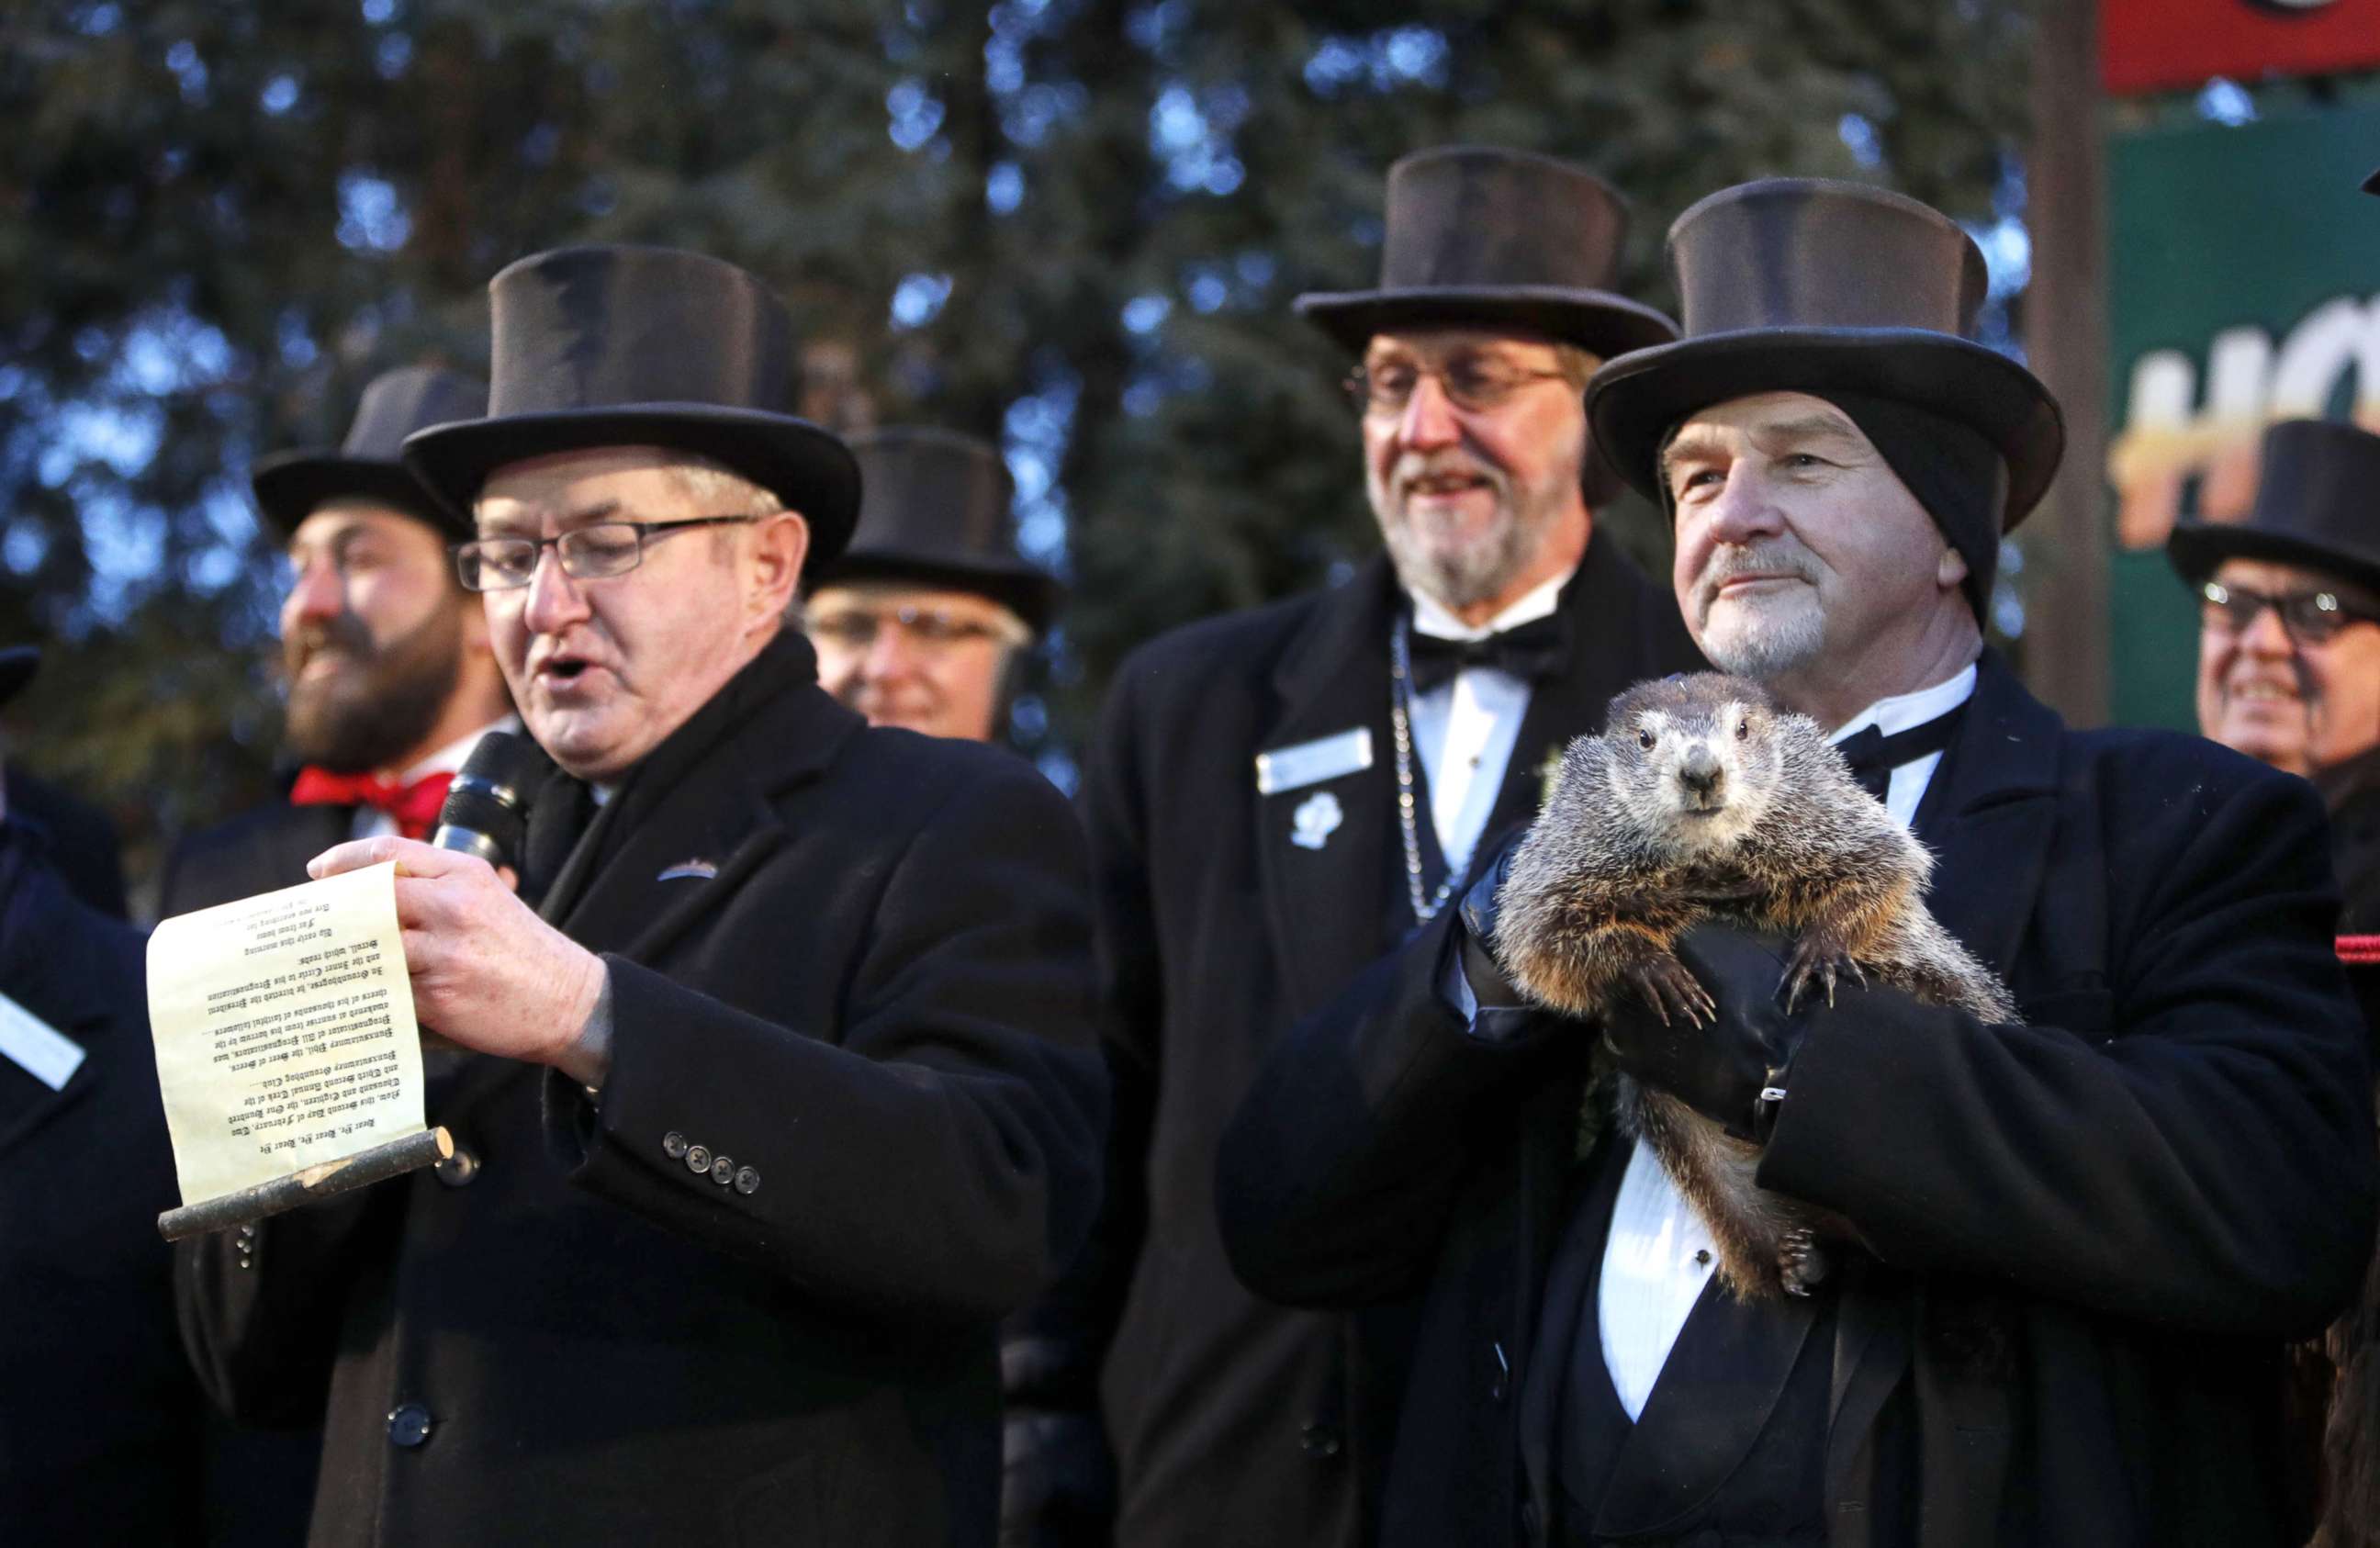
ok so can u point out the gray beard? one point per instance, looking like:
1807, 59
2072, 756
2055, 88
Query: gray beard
1769, 650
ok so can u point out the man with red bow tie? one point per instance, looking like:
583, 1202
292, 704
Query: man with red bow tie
390, 679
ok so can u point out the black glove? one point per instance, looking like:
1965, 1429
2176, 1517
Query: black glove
1718, 1063
1490, 986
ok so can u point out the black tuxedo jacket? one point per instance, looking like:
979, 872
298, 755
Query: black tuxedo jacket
1232, 1420
854, 964
260, 850
2090, 1234
100, 1419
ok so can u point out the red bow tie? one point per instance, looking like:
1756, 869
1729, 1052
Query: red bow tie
415, 806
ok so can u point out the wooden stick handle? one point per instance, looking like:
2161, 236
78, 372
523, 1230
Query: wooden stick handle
360, 1170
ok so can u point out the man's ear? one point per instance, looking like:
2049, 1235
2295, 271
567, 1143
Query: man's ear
780, 544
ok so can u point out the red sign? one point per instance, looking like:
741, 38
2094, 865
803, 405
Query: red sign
2149, 45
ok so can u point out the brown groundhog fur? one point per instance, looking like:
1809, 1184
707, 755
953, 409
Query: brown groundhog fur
1704, 799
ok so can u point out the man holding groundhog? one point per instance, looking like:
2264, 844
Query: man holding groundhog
2070, 1247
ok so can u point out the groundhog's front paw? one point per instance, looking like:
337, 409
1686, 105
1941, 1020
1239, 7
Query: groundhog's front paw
1820, 954
1670, 989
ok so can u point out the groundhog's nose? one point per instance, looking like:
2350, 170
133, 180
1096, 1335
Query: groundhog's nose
1700, 773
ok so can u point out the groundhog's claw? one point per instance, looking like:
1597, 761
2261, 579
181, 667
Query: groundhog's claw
1821, 957
1667, 986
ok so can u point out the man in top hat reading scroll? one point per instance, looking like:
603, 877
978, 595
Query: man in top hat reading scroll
2071, 1247
927, 619
788, 1094
1278, 797
391, 681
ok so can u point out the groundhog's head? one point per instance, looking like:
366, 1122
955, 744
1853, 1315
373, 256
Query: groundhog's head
1697, 761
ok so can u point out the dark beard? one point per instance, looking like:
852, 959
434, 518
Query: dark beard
368, 719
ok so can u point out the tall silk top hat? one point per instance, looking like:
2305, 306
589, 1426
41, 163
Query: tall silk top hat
644, 347
935, 513
2317, 505
1803, 284
289, 485
1506, 238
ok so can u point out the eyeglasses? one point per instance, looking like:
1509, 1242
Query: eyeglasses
592, 552
931, 629
2307, 617
1472, 382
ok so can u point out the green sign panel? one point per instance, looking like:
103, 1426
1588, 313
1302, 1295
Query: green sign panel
2243, 286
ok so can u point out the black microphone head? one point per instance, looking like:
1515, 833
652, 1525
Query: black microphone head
486, 811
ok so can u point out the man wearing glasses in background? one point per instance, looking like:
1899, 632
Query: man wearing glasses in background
819, 1104
928, 619
2288, 643
1278, 798
2289, 672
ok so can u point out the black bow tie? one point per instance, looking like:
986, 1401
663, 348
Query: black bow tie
1873, 756
1529, 651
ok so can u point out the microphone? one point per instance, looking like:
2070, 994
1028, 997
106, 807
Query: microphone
486, 812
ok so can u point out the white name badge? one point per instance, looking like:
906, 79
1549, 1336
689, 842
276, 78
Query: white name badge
1308, 763
45, 1053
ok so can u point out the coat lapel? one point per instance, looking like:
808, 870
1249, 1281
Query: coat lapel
655, 862
1993, 824
1328, 904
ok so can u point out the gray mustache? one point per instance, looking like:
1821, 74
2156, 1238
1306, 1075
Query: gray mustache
1729, 564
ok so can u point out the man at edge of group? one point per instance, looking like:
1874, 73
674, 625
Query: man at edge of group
2082, 1241
926, 619
2289, 672
789, 1092
391, 678
103, 1429
1278, 797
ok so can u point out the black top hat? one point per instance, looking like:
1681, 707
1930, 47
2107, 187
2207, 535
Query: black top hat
289, 485
2317, 504
1803, 284
2372, 183
1476, 233
17, 664
644, 347
936, 512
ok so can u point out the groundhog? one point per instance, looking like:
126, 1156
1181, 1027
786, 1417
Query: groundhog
1704, 799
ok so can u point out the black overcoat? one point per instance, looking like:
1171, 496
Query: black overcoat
2091, 1234
1232, 1420
100, 1419
854, 964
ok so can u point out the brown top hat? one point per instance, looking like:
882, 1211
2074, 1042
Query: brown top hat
1803, 284
289, 485
936, 512
2317, 505
644, 347
1476, 234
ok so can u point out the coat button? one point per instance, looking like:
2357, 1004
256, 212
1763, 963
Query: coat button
1321, 1441
747, 1181
722, 1170
697, 1158
674, 1144
409, 1425
458, 1170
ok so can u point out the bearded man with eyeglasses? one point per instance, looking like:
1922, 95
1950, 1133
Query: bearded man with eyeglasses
1280, 797
786, 1094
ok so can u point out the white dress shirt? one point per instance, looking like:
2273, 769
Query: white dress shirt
371, 822
1464, 730
1659, 1255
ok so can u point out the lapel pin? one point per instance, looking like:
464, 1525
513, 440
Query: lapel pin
1317, 818
697, 870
